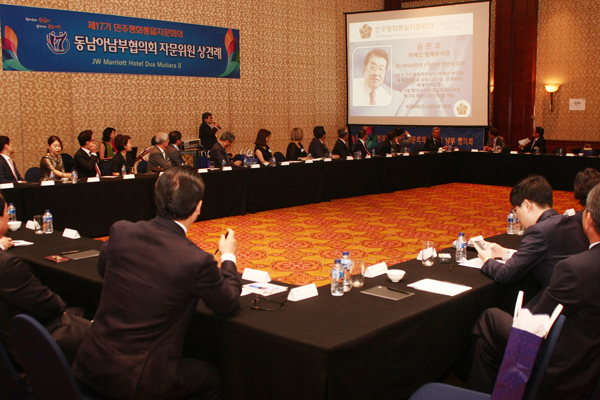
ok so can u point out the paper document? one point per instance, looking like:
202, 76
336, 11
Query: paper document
18, 243
439, 287
265, 289
473, 263
524, 142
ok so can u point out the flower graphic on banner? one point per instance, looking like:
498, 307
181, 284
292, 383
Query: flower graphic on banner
9, 51
58, 44
233, 54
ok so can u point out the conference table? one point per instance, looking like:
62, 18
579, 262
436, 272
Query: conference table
91, 208
350, 347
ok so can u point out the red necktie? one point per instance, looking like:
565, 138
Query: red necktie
97, 170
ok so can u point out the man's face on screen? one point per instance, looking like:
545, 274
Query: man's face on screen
375, 71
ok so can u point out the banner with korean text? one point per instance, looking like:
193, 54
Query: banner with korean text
41, 39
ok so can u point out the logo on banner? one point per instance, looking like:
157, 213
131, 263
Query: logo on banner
365, 31
58, 44
462, 108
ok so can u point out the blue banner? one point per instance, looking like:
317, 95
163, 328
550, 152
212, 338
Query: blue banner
41, 39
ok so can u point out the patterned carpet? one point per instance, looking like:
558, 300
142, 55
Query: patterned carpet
298, 245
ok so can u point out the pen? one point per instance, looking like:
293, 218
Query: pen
217, 250
398, 290
69, 252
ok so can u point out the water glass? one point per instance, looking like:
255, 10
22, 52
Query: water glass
427, 253
357, 155
38, 221
357, 277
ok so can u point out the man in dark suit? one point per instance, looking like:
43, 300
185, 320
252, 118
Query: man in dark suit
208, 131
86, 159
360, 146
433, 142
575, 363
8, 168
317, 147
341, 149
494, 140
22, 292
218, 153
172, 151
389, 143
537, 140
157, 159
153, 278
548, 239
403, 139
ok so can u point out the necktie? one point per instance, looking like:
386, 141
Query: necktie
14, 169
372, 98
97, 169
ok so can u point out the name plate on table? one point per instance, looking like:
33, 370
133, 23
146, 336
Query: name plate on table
303, 292
285, 163
71, 234
570, 212
405, 154
457, 149
308, 162
94, 179
226, 169
474, 151
30, 225
376, 270
47, 183
349, 158
129, 176
255, 166
327, 159
570, 155
514, 152
421, 153
256, 275
203, 170
388, 155
7, 186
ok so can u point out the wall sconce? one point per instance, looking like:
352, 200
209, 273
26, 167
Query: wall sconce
552, 88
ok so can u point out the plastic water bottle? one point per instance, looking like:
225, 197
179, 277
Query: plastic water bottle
510, 224
47, 224
51, 178
347, 265
461, 248
223, 163
123, 170
74, 176
12, 212
337, 279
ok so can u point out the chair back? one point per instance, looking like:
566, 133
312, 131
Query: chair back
11, 387
46, 367
33, 174
142, 167
68, 161
279, 157
105, 168
542, 359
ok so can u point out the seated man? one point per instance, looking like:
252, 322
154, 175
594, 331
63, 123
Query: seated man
403, 139
86, 159
584, 182
153, 277
575, 363
172, 151
22, 292
218, 153
157, 159
361, 146
388, 144
8, 168
548, 239
341, 149
317, 147
494, 140
433, 142
537, 140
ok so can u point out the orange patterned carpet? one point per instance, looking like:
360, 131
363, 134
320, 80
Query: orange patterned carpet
298, 245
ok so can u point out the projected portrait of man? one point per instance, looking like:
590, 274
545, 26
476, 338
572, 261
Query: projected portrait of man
370, 89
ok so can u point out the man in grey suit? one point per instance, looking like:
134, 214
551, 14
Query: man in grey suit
218, 153
575, 363
153, 278
172, 151
157, 159
494, 141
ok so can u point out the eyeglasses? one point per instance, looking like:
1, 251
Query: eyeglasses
256, 304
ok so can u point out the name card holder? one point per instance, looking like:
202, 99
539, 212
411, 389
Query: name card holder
421, 153
71, 234
253, 166
47, 183
226, 168
256, 275
7, 185
285, 163
203, 170
349, 158
327, 159
94, 179
129, 176
474, 151
308, 162
405, 154
388, 155
376, 270
303, 292
514, 152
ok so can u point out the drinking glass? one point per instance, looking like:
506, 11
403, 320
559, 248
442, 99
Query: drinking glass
38, 221
357, 277
427, 254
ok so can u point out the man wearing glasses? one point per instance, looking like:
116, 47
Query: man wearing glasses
548, 239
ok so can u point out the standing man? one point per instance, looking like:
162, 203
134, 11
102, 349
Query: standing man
208, 131
341, 149
153, 278
218, 153
172, 151
433, 142
537, 140
369, 90
317, 147
575, 362
86, 159
8, 168
157, 159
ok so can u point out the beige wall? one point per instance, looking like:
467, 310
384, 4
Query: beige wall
293, 69
568, 53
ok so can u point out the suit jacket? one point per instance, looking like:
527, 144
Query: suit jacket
208, 136
218, 154
153, 278
6, 175
174, 156
551, 239
156, 160
85, 164
386, 147
540, 143
22, 292
499, 142
359, 146
432, 144
317, 149
341, 149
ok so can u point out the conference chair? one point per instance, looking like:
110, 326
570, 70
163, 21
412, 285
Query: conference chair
279, 157
442, 391
45, 364
33, 174
105, 168
68, 161
142, 167
11, 387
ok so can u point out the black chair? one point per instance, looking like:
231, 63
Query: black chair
105, 168
279, 157
68, 161
142, 167
32, 174
441, 391
45, 364
11, 387
506, 150
557, 151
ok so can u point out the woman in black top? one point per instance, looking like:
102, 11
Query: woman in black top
295, 150
262, 150
123, 157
